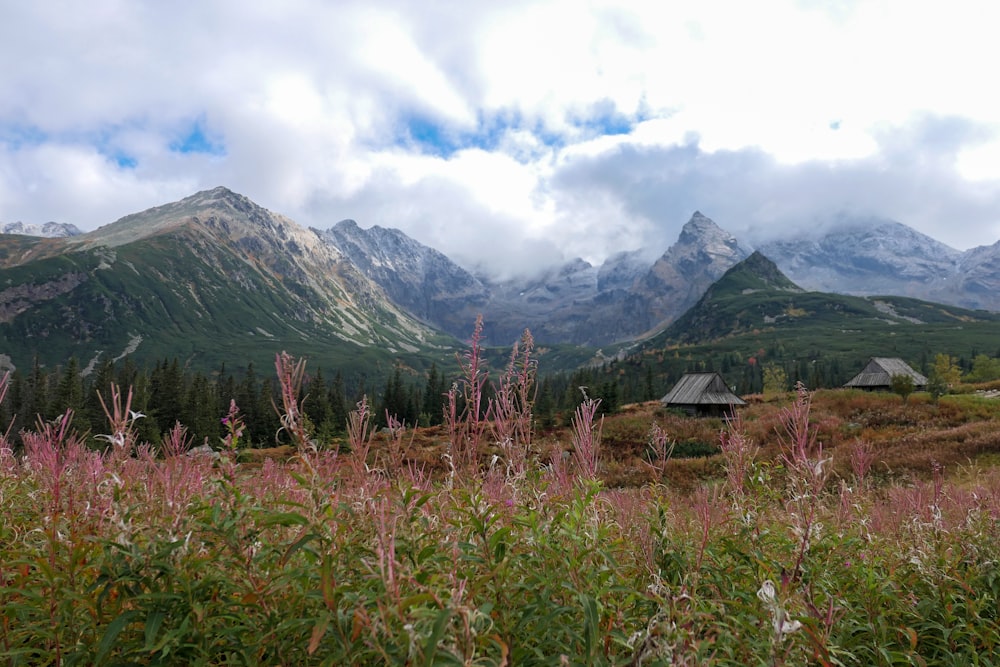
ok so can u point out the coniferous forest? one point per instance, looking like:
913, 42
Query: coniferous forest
167, 392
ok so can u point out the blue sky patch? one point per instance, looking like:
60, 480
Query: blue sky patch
608, 125
604, 119
125, 161
19, 136
430, 136
196, 140
434, 138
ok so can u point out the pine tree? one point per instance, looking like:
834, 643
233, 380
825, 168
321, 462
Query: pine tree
317, 407
545, 405
337, 399
167, 393
201, 413
69, 390
648, 392
394, 401
248, 400
36, 395
17, 399
266, 413
432, 410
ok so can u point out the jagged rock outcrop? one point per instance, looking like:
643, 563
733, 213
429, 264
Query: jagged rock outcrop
419, 279
574, 302
976, 283
703, 253
621, 270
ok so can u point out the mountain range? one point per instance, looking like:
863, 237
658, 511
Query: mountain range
215, 274
627, 298
48, 230
883, 257
211, 278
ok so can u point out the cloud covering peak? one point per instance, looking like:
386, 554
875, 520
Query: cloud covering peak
508, 135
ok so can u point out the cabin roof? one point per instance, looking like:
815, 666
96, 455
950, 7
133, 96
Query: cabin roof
701, 389
879, 371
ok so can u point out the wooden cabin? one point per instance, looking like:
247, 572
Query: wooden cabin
878, 373
702, 394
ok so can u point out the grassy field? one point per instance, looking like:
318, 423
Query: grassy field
834, 528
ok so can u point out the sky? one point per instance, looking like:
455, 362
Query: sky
510, 135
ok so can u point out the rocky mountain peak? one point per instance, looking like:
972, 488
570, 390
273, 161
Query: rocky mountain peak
866, 256
222, 213
703, 253
621, 270
422, 280
49, 230
701, 234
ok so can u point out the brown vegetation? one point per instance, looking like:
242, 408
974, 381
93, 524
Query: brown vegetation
907, 439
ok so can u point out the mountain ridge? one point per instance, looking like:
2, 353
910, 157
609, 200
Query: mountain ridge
210, 275
755, 296
46, 230
379, 288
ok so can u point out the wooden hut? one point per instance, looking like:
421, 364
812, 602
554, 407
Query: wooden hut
704, 394
878, 373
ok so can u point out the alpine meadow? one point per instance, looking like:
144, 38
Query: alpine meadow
232, 440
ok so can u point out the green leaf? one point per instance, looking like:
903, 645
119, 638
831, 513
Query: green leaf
414, 600
111, 634
591, 625
440, 625
284, 519
153, 623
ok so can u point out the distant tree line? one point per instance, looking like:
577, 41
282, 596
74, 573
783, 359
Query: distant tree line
167, 392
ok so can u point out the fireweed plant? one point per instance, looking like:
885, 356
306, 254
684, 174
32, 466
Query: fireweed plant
113, 553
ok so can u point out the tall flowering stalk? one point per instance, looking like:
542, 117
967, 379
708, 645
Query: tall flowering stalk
178, 478
121, 419
862, 457
396, 453
586, 437
808, 471
293, 421
466, 423
740, 454
509, 411
359, 438
661, 448
234, 427
52, 451
71, 503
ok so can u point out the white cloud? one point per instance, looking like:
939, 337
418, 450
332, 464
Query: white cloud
509, 134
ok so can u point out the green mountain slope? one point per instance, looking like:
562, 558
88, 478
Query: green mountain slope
213, 278
754, 316
755, 298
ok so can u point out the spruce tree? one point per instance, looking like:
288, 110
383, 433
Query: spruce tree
69, 391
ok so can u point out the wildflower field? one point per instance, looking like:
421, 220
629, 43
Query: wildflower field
795, 544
